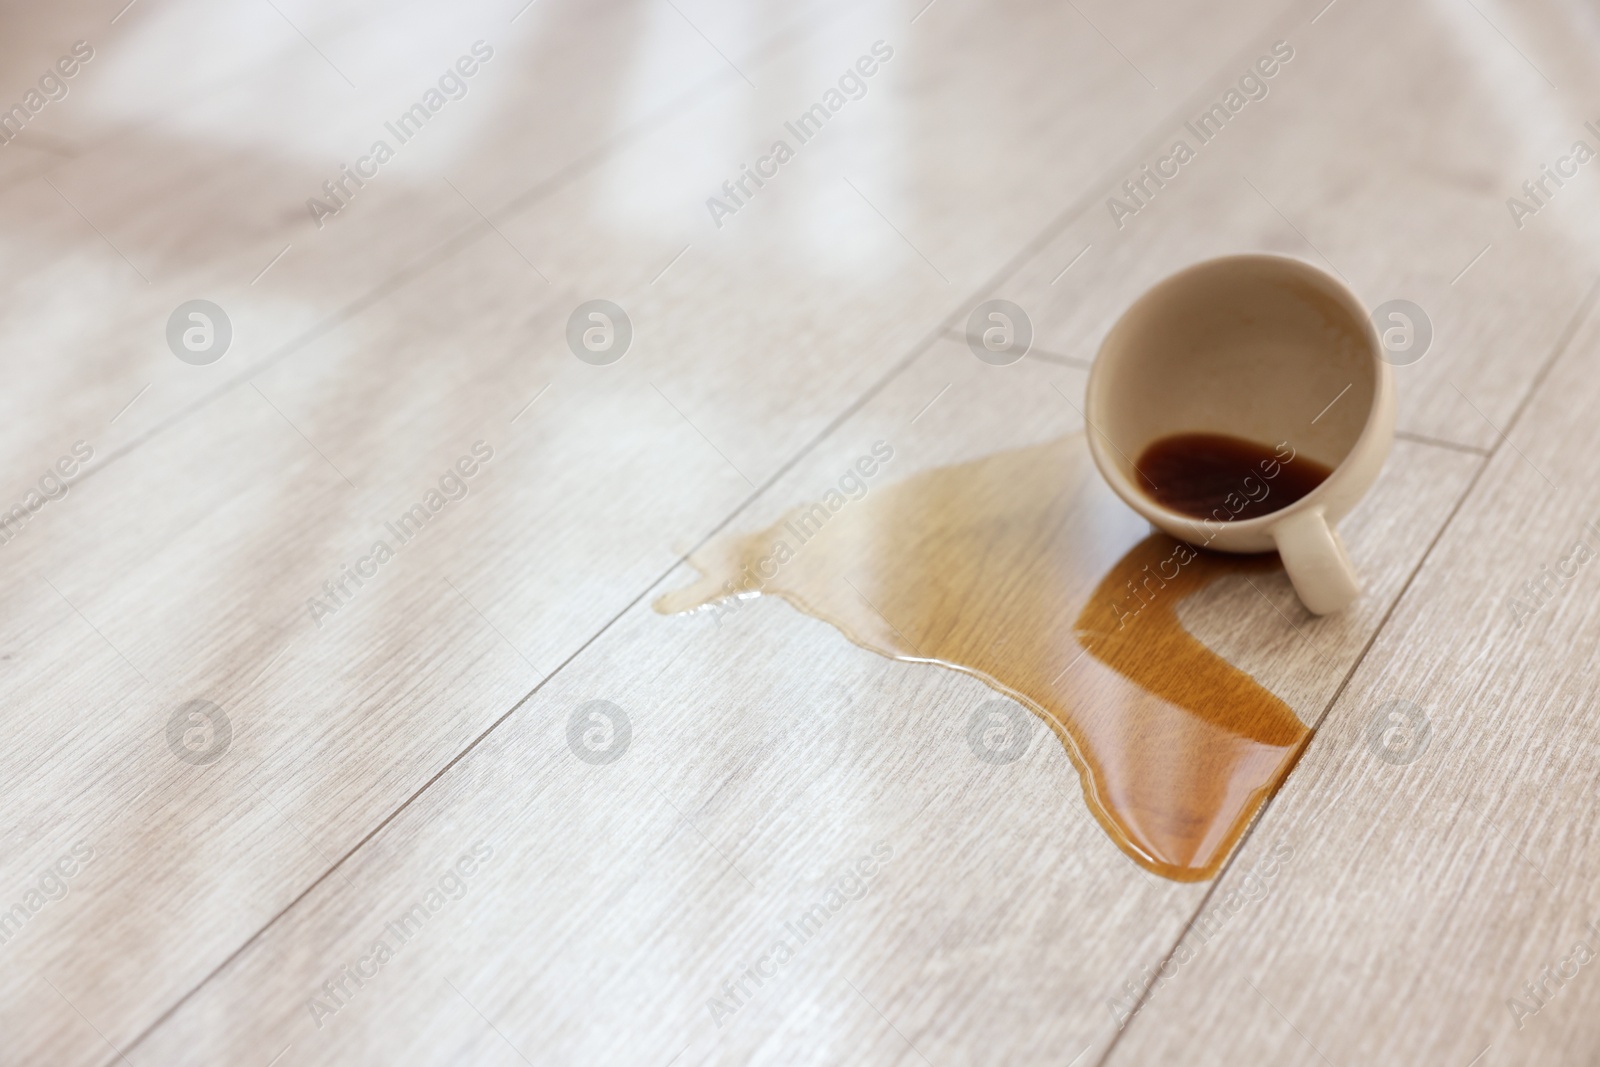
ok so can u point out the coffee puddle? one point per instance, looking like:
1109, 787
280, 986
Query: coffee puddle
1020, 568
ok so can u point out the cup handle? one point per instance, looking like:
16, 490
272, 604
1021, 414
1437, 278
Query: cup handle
1316, 561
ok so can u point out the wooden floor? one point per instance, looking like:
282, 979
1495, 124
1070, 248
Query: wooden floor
395, 767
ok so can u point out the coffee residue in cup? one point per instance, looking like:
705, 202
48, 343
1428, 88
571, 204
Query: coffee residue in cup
1214, 475
1022, 569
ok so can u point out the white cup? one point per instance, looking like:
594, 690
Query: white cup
1266, 348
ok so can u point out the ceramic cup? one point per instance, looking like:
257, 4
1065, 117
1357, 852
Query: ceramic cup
1265, 348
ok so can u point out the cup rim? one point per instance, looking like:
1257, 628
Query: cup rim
1380, 414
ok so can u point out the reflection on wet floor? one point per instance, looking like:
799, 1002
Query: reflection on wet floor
1021, 569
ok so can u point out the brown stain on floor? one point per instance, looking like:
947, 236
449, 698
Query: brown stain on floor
1021, 569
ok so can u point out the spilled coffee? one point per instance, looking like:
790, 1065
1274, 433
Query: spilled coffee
1022, 569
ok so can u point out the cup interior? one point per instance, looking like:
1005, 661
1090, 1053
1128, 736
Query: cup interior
1260, 347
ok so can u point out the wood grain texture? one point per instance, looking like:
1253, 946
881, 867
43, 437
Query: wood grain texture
205, 905
768, 752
